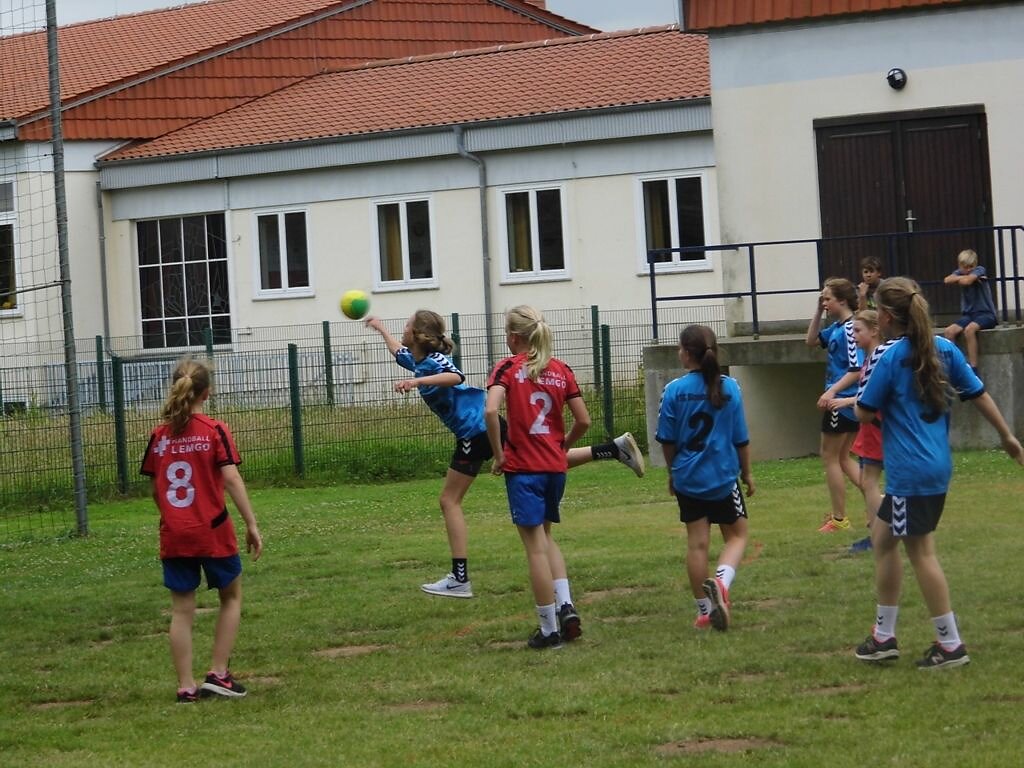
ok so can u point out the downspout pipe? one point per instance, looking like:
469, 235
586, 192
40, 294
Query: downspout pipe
485, 249
102, 237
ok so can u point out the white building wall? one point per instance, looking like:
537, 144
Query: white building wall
769, 85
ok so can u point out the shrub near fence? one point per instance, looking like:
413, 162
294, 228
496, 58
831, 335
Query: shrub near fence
311, 403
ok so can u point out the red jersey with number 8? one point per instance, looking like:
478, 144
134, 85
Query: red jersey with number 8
536, 427
189, 487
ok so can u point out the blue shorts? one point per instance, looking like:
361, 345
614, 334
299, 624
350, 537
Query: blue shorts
533, 497
985, 321
181, 574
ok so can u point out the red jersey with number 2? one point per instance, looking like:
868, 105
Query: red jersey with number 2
186, 472
536, 427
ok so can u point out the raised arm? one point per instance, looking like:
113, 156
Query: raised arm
393, 344
814, 327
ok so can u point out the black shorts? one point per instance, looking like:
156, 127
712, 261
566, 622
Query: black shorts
718, 511
471, 452
834, 423
911, 515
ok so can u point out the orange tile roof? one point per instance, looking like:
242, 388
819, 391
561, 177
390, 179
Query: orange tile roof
192, 61
714, 14
568, 74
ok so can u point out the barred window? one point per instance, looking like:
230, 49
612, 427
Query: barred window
183, 280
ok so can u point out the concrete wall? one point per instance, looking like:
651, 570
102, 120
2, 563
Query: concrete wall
770, 84
782, 378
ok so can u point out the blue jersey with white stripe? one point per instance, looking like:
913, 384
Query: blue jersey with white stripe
843, 356
461, 407
918, 461
706, 438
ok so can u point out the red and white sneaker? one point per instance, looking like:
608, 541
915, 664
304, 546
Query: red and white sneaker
718, 594
703, 622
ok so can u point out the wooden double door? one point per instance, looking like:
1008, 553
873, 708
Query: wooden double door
906, 172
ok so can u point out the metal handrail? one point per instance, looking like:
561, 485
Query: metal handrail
1002, 279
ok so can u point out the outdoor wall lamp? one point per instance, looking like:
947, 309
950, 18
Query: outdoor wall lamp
896, 78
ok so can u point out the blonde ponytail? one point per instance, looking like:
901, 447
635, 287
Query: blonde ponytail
527, 322
191, 378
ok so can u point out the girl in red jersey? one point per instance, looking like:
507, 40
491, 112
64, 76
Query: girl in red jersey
535, 387
192, 460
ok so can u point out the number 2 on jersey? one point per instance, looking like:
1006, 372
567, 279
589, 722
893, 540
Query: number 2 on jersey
702, 422
539, 426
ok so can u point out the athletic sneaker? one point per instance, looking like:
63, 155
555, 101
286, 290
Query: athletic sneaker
629, 453
449, 586
540, 642
718, 594
861, 545
937, 657
188, 695
221, 686
569, 622
832, 525
872, 650
703, 622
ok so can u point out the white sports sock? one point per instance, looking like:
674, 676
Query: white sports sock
726, 573
946, 631
885, 621
562, 594
548, 622
703, 606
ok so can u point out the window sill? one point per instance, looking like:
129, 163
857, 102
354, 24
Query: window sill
677, 269
533, 277
291, 293
426, 285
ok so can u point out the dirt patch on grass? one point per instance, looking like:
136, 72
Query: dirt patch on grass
725, 746
63, 704
417, 706
753, 552
506, 644
348, 651
832, 690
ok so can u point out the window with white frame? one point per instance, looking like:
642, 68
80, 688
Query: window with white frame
283, 254
534, 234
183, 280
405, 253
673, 217
8, 267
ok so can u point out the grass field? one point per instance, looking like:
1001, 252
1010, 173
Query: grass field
349, 664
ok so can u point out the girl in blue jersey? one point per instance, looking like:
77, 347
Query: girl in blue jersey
425, 350
913, 380
842, 372
703, 434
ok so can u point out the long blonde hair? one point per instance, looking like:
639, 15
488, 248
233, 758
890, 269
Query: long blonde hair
528, 323
901, 298
191, 378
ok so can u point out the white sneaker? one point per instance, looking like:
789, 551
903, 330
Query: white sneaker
629, 453
449, 587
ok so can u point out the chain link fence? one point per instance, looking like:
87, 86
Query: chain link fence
307, 403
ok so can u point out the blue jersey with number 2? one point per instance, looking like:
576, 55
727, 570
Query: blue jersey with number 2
706, 438
917, 457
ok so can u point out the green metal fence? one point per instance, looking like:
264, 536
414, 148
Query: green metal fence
307, 403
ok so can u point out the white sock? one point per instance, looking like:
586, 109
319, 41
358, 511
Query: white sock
562, 594
726, 573
946, 631
703, 606
885, 621
548, 622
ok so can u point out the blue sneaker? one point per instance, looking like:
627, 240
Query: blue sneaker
860, 545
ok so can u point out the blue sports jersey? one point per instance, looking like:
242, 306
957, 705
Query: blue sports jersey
918, 461
843, 356
706, 438
461, 407
976, 298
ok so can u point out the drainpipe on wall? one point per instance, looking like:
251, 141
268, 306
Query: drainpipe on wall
102, 229
460, 143
681, 10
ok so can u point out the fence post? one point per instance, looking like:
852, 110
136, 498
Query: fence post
296, 398
456, 338
609, 401
328, 363
753, 292
120, 433
101, 376
595, 338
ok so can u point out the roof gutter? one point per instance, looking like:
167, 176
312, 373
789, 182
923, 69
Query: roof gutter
485, 250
